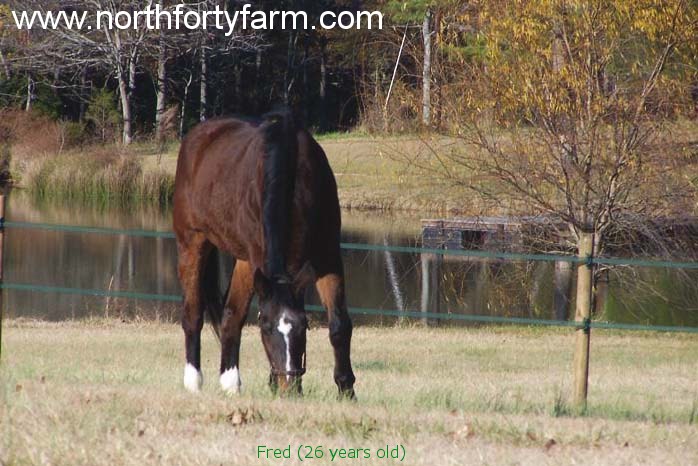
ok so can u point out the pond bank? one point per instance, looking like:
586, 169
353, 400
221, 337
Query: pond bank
369, 177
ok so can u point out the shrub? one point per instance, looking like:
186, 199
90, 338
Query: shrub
103, 114
5, 158
74, 134
31, 134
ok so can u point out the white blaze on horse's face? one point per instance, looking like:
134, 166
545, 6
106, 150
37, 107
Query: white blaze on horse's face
285, 328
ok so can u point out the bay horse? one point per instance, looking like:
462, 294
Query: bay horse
261, 191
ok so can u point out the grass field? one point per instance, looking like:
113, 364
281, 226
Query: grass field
370, 172
373, 172
108, 392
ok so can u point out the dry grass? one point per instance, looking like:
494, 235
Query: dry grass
110, 179
370, 173
403, 173
396, 173
106, 392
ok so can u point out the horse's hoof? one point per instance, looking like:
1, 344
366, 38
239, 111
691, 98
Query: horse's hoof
193, 379
230, 381
346, 394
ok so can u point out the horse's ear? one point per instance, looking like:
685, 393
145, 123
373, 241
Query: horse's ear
262, 285
303, 277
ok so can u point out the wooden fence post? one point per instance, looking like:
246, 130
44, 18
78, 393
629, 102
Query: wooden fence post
582, 317
2, 247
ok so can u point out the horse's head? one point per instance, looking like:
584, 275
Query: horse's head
284, 324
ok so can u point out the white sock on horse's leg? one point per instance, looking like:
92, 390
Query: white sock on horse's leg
230, 381
193, 379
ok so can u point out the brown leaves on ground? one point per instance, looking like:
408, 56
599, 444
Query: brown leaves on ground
464, 432
241, 416
550, 443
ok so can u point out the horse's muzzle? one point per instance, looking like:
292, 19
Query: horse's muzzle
287, 382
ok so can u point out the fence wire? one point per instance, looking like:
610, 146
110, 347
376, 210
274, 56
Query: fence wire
379, 247
415, 314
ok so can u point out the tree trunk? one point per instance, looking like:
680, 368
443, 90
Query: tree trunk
288, 75
30, 93
83, 95
437, 106
126, 137
426, 71
258, 89
306, 93
323, 84
239, 98
132, 78
161, 94
184, 104
203, 101
5, 66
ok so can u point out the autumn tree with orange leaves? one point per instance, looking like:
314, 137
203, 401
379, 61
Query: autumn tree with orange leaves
563, 112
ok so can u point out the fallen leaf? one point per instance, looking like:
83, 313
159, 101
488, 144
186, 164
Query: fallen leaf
141, 427
239, 416
464, 432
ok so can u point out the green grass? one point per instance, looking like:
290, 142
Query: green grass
109, 392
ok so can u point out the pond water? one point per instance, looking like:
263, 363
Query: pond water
375, 279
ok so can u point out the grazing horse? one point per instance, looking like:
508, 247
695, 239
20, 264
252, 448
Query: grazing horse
263, 192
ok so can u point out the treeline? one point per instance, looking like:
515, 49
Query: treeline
423, 69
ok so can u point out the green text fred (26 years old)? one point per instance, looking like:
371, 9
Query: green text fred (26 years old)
320, 452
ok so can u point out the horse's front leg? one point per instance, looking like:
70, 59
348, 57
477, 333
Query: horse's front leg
192, 255
330, 288
234, 316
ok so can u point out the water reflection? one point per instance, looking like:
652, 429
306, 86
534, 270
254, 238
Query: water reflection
375, 279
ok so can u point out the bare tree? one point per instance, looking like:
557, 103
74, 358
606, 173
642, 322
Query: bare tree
115, 50
161, 83
427, 34
547, 126
4, 33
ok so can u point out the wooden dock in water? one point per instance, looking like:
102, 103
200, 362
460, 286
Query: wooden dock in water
490, 233
542, 234
501, 234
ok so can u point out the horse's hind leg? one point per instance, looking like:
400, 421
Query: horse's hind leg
234, 316
192, 254
330, 287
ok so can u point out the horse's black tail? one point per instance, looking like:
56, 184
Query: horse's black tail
280, 136
214, 301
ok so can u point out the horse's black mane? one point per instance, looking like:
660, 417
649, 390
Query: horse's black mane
280, 161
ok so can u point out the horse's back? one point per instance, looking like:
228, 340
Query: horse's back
219, 190
198, 144
216, 178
